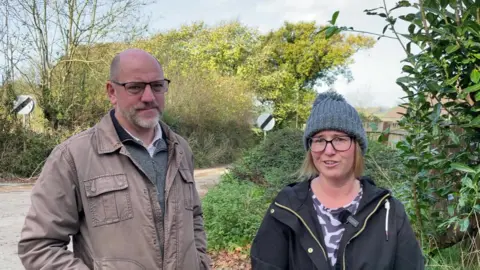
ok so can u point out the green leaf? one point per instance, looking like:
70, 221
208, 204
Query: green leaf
462, 167
475, 76
451, 210
466, 181
461, 202
477, 96
411, 28
452, 80
436, 113
330, 31
444, 3
454, 137
410, 17
464, 224
433, 86
439, 30
435, 162
476, 121
404, 3
385, 28
334, 17
452, 48
472, 88
408, 69
434, 11
405, 80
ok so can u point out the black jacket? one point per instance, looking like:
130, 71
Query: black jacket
290, 236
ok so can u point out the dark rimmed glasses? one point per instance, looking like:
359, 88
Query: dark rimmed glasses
135, 88
340, 143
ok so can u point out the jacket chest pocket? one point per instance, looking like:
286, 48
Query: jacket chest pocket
187, 187
108, 199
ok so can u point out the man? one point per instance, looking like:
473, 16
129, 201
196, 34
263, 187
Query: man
123, 189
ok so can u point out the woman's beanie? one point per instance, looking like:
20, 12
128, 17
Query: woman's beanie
331, 111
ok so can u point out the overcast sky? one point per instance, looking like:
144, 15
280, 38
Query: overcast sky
374, 70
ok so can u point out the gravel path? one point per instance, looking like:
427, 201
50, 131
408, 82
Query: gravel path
15, 201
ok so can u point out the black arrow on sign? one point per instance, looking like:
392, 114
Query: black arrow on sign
265, 123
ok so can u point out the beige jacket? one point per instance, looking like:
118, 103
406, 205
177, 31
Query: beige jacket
91, 189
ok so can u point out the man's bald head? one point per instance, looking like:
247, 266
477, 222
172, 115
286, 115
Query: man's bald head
129, 70
127, 56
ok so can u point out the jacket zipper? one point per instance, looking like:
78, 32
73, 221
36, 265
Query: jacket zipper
363, 227
306, 226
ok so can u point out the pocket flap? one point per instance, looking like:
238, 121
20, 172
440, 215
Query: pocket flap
106, 183
186, 175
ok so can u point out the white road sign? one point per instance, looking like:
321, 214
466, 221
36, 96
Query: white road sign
266, 121
23, 104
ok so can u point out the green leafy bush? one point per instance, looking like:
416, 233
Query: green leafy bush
23, 152
384, 165
233, 211
274, 162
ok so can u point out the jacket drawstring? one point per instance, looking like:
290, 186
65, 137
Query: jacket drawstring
387, 207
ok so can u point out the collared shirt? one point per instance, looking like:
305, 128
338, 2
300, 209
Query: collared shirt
152, 146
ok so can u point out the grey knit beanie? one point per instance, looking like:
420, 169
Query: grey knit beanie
331, 111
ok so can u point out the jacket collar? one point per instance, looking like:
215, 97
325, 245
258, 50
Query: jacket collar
110, 135
296, 195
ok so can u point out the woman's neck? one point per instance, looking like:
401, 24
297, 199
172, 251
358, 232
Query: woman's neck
334, 193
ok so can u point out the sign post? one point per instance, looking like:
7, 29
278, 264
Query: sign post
266, 122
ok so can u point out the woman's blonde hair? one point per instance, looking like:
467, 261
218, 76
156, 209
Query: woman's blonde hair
308, 169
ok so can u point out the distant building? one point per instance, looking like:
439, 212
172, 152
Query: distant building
390, 119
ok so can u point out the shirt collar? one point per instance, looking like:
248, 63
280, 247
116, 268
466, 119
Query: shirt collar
157, 136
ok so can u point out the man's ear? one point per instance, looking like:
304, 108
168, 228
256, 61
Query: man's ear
112, 95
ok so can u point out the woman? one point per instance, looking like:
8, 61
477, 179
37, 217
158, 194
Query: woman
337, 219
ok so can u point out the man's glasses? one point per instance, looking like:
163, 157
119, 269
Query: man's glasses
135, 88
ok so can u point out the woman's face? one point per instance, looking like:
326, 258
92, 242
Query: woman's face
333, 154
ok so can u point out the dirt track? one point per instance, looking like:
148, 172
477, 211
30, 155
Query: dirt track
15, 201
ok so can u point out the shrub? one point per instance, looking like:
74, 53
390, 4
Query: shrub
213, 112
233, 211
274, 162
384, 165
23, 152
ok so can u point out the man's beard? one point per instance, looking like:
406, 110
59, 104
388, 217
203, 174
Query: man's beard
132, 116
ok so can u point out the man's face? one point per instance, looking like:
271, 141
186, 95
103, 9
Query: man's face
139, 110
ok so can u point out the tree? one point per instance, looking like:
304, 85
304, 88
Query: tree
222, 48
294, 59
53, 34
